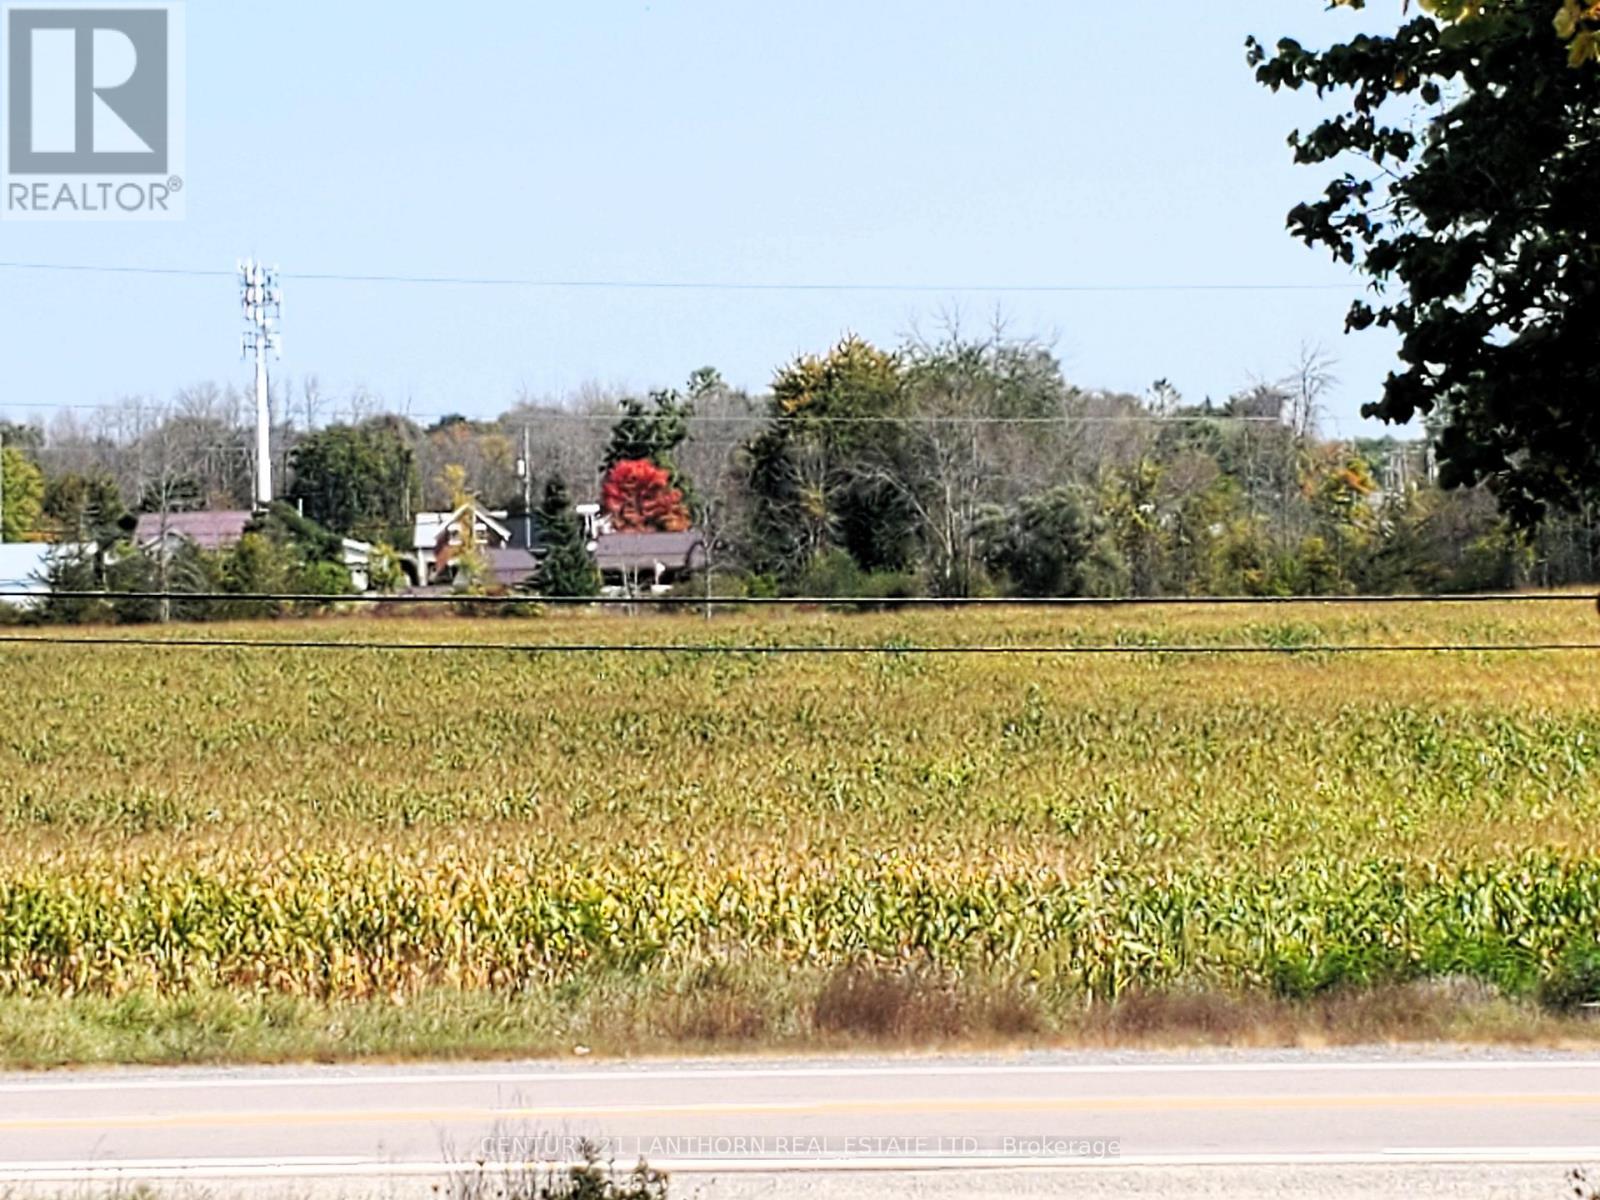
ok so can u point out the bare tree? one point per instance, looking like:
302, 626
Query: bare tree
975, 406
207, 423
712, 461
312, 403
1307, 385
568, 435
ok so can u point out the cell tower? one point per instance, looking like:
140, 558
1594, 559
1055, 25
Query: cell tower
263, 306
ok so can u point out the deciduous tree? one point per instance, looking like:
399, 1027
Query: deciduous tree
356, 479
23, 496
1476, 224
639, 497
815, 471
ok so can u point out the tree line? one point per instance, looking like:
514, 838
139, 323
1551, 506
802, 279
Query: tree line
951, 466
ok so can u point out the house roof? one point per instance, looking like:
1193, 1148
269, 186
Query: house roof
642, 551
213, 530
425, 530
510, 566
430, 525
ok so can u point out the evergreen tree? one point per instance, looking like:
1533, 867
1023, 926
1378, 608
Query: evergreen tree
567, 569
84, 507
652, 432
67, 571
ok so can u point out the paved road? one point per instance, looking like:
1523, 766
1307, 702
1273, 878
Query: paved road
1036, 1125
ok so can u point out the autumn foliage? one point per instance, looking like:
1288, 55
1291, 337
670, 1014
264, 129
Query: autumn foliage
639, 497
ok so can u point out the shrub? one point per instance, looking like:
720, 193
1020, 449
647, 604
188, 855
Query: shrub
1575, 980
588, 1179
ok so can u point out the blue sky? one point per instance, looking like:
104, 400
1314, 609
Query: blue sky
930, 143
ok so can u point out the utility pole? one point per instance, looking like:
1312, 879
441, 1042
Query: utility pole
263, 305
2, 487
525, 469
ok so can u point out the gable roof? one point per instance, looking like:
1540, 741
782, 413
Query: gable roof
212, 530
430, 526
641, 551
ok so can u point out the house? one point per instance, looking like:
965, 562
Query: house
515, 566
222, 529
24, 567
653, 560
357, 559
437, 538
217, 530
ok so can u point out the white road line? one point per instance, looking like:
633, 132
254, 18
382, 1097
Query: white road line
759, 1110
537, 1073
343, 1168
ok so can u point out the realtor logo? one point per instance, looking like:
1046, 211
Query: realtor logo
93, 110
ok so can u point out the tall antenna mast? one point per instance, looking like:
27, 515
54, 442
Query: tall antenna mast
263, 306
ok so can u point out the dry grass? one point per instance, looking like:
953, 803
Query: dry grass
1444, 1010
756, 1012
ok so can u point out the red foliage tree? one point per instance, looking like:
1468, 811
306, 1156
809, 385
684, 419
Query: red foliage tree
639, 497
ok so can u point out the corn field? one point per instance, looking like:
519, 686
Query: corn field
356, 825
380, 922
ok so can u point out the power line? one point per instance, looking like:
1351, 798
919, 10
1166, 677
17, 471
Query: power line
690, 285
887, 602
739, 286
516, 417
785, 650
102, 269
912, 419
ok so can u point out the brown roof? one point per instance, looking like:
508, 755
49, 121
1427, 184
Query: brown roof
510, 567
642, 551
208, 530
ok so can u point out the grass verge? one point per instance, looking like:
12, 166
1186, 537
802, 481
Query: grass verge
724, 1012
